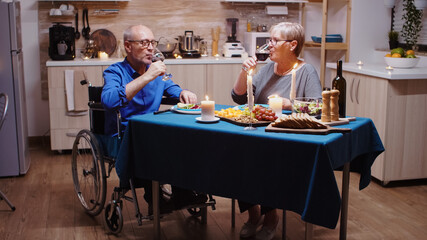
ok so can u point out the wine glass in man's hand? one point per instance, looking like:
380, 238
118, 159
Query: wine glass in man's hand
263, 52
158, 56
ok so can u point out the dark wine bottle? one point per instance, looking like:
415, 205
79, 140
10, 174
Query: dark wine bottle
339, 83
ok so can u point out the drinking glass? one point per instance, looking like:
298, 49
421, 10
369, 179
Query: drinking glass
263, 52
158, 56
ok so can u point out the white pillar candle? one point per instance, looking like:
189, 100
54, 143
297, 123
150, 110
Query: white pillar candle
103, 56
293, 92
275, 103
250, 91
208, 110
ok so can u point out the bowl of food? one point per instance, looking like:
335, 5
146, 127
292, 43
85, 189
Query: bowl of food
404, 62
309, 105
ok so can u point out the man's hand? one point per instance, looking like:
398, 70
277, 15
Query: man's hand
188, 97
156, 69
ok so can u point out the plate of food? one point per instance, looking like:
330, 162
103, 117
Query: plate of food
187, 108
262, 116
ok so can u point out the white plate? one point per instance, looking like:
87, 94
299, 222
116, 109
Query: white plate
207, 121
186, 111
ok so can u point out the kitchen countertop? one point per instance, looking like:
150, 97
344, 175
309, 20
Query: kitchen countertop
379, 70
98, 62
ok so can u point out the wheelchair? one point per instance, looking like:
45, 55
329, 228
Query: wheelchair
93, 159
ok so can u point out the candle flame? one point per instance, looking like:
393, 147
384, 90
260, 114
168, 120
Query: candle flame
207, 98
295, 66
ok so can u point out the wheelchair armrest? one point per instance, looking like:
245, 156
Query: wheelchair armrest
96, 106
169, 101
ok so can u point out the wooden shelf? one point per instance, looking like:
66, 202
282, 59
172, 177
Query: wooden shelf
328, 45
325, 46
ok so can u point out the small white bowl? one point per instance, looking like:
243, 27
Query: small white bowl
401, 62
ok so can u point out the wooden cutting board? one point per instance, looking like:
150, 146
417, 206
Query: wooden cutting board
325, 131
341, 121
104, 40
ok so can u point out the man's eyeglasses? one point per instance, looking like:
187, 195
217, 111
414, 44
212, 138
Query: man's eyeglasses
144, 43
273, 42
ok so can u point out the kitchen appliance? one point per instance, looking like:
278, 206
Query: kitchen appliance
232, 47
189, 45
254, 40
14, 154
167, 47
58, 35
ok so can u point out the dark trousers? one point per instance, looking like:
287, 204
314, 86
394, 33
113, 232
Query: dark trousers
243, 206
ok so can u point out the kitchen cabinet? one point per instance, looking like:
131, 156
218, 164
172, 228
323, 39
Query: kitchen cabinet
63, 126
190, 76
398, 109
323, 45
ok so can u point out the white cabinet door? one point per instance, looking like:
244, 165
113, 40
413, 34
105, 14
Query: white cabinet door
191, 77
221, 78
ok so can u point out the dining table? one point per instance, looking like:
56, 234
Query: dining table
288, 171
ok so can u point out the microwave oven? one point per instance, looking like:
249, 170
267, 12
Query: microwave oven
254, 40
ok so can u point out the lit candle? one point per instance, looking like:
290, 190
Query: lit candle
293, 92
359, 63
389, 68
275, 103
250, 91
208, 110
103, 56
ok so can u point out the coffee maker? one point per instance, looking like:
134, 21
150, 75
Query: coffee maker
232, 47
189, 45
61, 42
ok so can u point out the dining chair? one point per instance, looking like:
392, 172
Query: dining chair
4, 101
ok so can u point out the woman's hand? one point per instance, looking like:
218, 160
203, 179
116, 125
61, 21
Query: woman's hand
249, 63
286, 104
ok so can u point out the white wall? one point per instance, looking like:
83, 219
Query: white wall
37, 109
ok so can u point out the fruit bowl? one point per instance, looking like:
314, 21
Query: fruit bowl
311, 106
401, 62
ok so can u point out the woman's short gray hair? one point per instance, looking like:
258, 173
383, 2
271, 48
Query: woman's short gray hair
292, 31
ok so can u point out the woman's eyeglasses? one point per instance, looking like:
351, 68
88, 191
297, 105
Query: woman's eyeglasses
145, 43
273, 42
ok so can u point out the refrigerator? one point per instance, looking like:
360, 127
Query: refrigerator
14, 152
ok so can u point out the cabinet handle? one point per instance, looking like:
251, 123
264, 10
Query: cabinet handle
71, 134
357, 91
351, 90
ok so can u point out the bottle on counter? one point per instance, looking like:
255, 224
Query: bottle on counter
339, 83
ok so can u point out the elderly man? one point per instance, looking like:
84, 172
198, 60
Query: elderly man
135, 86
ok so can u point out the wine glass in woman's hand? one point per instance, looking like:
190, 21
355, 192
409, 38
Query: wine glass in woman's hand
263, 52
158, 56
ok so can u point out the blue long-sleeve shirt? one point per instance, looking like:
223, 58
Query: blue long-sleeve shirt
148, 100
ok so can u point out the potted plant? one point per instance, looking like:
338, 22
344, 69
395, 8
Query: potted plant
393, 37
412, 26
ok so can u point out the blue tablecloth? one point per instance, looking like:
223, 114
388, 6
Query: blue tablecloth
287, 171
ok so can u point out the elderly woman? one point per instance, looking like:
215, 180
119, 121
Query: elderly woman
285, 44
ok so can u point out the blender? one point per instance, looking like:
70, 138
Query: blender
232, 47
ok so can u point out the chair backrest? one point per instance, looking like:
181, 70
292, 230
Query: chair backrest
97, 111
4, 102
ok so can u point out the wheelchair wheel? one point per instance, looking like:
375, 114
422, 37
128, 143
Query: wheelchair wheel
88, 171
114, 217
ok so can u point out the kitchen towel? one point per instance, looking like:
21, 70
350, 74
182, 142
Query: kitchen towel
76, 94
69, 89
